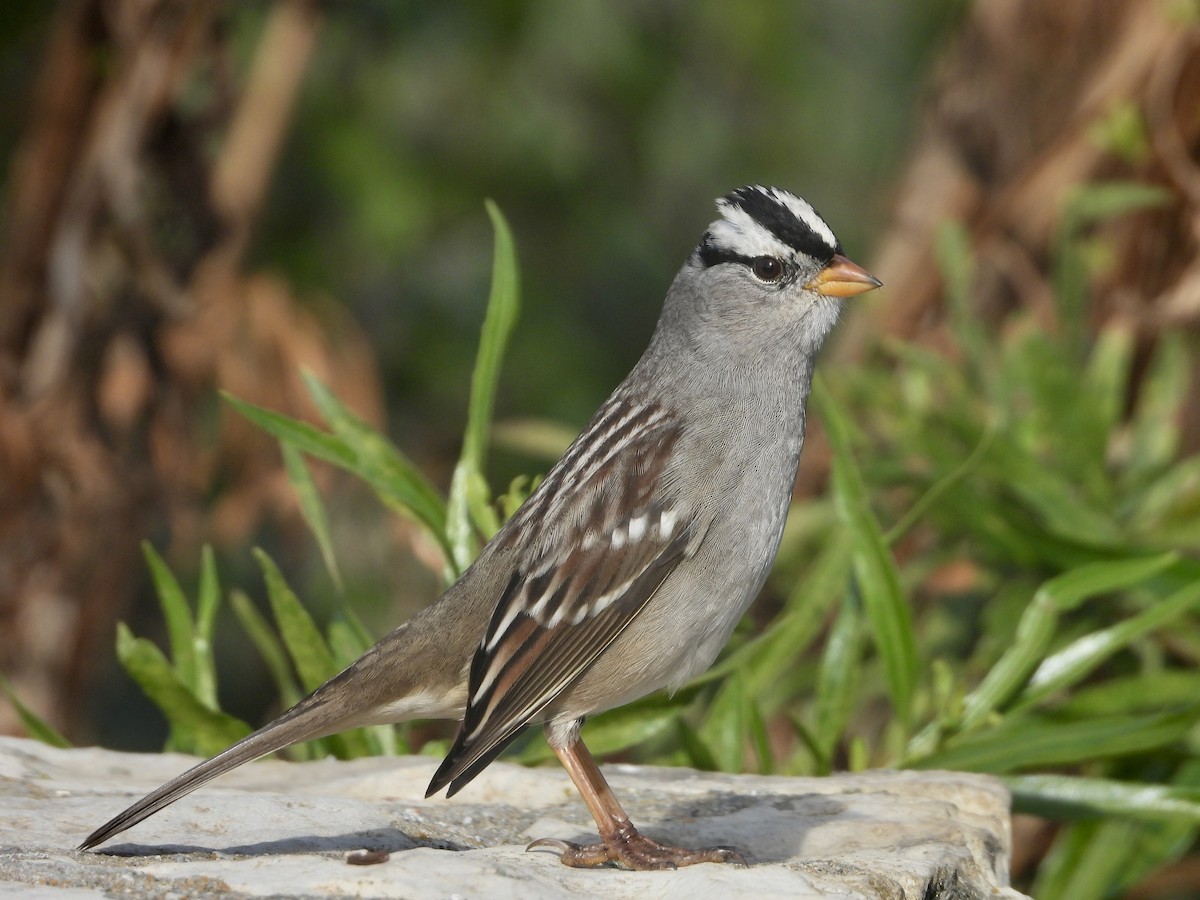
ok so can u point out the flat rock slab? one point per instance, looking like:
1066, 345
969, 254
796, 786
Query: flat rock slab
277, 828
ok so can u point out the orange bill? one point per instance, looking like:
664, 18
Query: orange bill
842, 278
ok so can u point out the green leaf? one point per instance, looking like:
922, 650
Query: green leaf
1038, 623
1091, 203
311, 507
389, 473
177, 614
918, 510
1083, 655
1087, 860
1144, 692
301, 435
195, 727
698, 754
724, 729
875, 569
1022, 742
1089, 425
760, 737
838, 680
310, 653
1057, 499
1107, 199
1154, 432
35, 726
269, 647
468, 488
207, 603
1072, 797
313, 511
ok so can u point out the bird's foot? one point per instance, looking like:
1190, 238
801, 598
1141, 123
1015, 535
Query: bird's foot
633, 850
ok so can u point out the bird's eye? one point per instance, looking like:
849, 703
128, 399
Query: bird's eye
766, 268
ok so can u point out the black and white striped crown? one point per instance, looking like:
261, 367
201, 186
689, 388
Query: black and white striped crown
766, 221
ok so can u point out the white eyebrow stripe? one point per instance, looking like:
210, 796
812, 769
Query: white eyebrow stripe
740, 233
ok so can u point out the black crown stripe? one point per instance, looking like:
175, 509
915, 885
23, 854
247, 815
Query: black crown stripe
784, 224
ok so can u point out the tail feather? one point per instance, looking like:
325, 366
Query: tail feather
418, 671
309, 719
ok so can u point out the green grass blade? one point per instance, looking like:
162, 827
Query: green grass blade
926, 501
313, 511
1090, 424
699, 756
469, 497
1143, 692
1087, 860
207, 602
35, 726
1071, 797
177, 613
301, 435
1102, 200
1083, 655
309, 652
311, 507
1154, 431
269, 647
1037, 626
1069, 590
1058, 500
875, 569
725, 728
760, 737
837, 681
955, 260
389, 473
195, 728
1025, 742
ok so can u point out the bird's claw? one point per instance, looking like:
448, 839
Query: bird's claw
636, 852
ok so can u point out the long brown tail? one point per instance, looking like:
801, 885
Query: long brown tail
308, 719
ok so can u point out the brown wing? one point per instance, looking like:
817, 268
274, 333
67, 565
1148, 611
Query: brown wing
598, 541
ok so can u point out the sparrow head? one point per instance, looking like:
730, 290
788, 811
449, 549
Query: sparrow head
771, 269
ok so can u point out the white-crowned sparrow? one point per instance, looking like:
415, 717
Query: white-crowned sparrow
627, 569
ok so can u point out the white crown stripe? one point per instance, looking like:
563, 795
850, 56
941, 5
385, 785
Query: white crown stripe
738, 232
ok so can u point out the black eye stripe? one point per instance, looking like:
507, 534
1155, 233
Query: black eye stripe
712, 255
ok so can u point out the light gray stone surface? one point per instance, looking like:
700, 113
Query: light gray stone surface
283, 829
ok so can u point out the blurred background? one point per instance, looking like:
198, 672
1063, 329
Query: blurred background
206, 197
